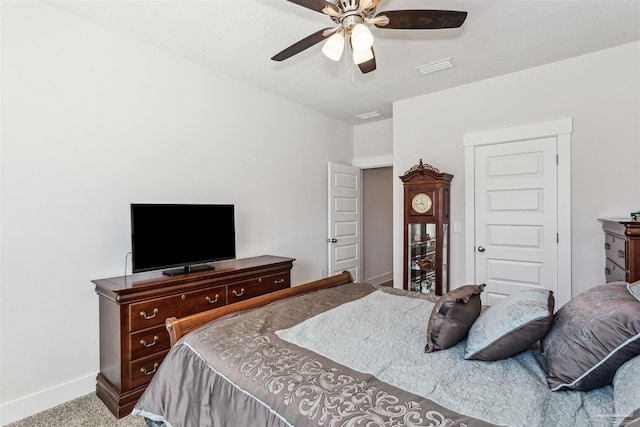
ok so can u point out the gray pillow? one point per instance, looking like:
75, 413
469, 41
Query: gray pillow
511, 326
452, 316
591, 337
626, 393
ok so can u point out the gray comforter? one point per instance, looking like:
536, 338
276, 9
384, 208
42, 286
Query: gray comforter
297, 363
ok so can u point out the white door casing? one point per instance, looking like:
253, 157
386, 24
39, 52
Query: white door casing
345, 220
518, 209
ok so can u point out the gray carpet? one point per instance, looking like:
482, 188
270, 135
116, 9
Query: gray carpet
84, 411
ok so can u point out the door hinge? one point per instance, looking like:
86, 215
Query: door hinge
557, 237
557, 159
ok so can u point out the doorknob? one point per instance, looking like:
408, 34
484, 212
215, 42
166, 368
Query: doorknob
332, 240
480, 248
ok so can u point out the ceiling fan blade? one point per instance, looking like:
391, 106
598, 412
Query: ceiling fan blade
368, 66
316, 5
301, 45
423, 19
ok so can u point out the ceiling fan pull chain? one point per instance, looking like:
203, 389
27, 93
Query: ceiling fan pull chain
346, 62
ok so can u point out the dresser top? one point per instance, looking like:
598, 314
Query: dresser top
627, 220
139, 282
624, 221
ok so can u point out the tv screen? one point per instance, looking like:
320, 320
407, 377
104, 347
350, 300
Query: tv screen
181, 235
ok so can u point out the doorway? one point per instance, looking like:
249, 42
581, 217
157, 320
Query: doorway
360, 227
377, 225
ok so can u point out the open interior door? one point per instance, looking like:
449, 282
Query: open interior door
345, 220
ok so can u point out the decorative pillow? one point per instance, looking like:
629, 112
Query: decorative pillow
452, 316
511, 326
592, 335
626, 393
634, 288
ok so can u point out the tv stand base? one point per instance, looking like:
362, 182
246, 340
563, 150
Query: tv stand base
188, 269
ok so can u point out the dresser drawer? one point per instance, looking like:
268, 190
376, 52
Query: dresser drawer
142, 370
154, 312
614, 273
245, 289
615, 248
148, 341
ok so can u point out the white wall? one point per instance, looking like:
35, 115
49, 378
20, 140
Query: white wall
373, 139
601, 91
373, 144
92, 121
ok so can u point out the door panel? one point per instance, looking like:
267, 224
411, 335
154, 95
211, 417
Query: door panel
516, 217
345, 219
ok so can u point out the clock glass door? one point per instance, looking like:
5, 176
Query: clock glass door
445, 261
422, 257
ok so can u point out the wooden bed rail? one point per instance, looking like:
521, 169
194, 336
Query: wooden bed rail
179, 327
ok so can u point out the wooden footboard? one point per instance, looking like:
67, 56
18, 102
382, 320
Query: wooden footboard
179, 327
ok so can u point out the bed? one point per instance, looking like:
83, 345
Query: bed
338, 353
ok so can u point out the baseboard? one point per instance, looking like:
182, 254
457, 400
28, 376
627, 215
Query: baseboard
382, 279
34, 403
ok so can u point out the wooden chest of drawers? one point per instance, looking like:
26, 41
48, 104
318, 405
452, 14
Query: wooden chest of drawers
133, 338
622, 250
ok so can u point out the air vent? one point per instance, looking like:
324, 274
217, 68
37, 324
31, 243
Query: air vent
440, 65
369, 115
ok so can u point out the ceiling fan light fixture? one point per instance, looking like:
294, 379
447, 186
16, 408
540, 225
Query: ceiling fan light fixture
333, 47
361, 56
361, 38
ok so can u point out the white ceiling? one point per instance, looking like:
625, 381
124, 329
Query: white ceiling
238, 38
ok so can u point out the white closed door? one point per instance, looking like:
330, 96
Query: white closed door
516, 217
345, 220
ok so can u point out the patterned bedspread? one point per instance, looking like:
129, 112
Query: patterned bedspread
332, 369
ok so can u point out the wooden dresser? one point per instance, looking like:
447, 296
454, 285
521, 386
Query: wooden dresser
133, 338
622, 249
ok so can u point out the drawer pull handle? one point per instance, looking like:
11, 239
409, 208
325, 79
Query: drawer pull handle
278, 281
607, 246
155, 312
155, 368
210, 301
620, 253
155, 341
607, 271
238, 294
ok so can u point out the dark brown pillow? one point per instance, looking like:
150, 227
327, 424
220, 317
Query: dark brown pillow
452, 316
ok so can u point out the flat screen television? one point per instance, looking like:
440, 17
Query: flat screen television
181, 235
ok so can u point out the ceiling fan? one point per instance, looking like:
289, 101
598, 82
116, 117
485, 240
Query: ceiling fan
351, 17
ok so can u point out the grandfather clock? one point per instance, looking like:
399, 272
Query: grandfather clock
426, 229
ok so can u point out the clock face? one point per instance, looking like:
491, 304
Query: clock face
421, 203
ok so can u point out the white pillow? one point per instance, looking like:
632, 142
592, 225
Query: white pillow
634, 288
626, 391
